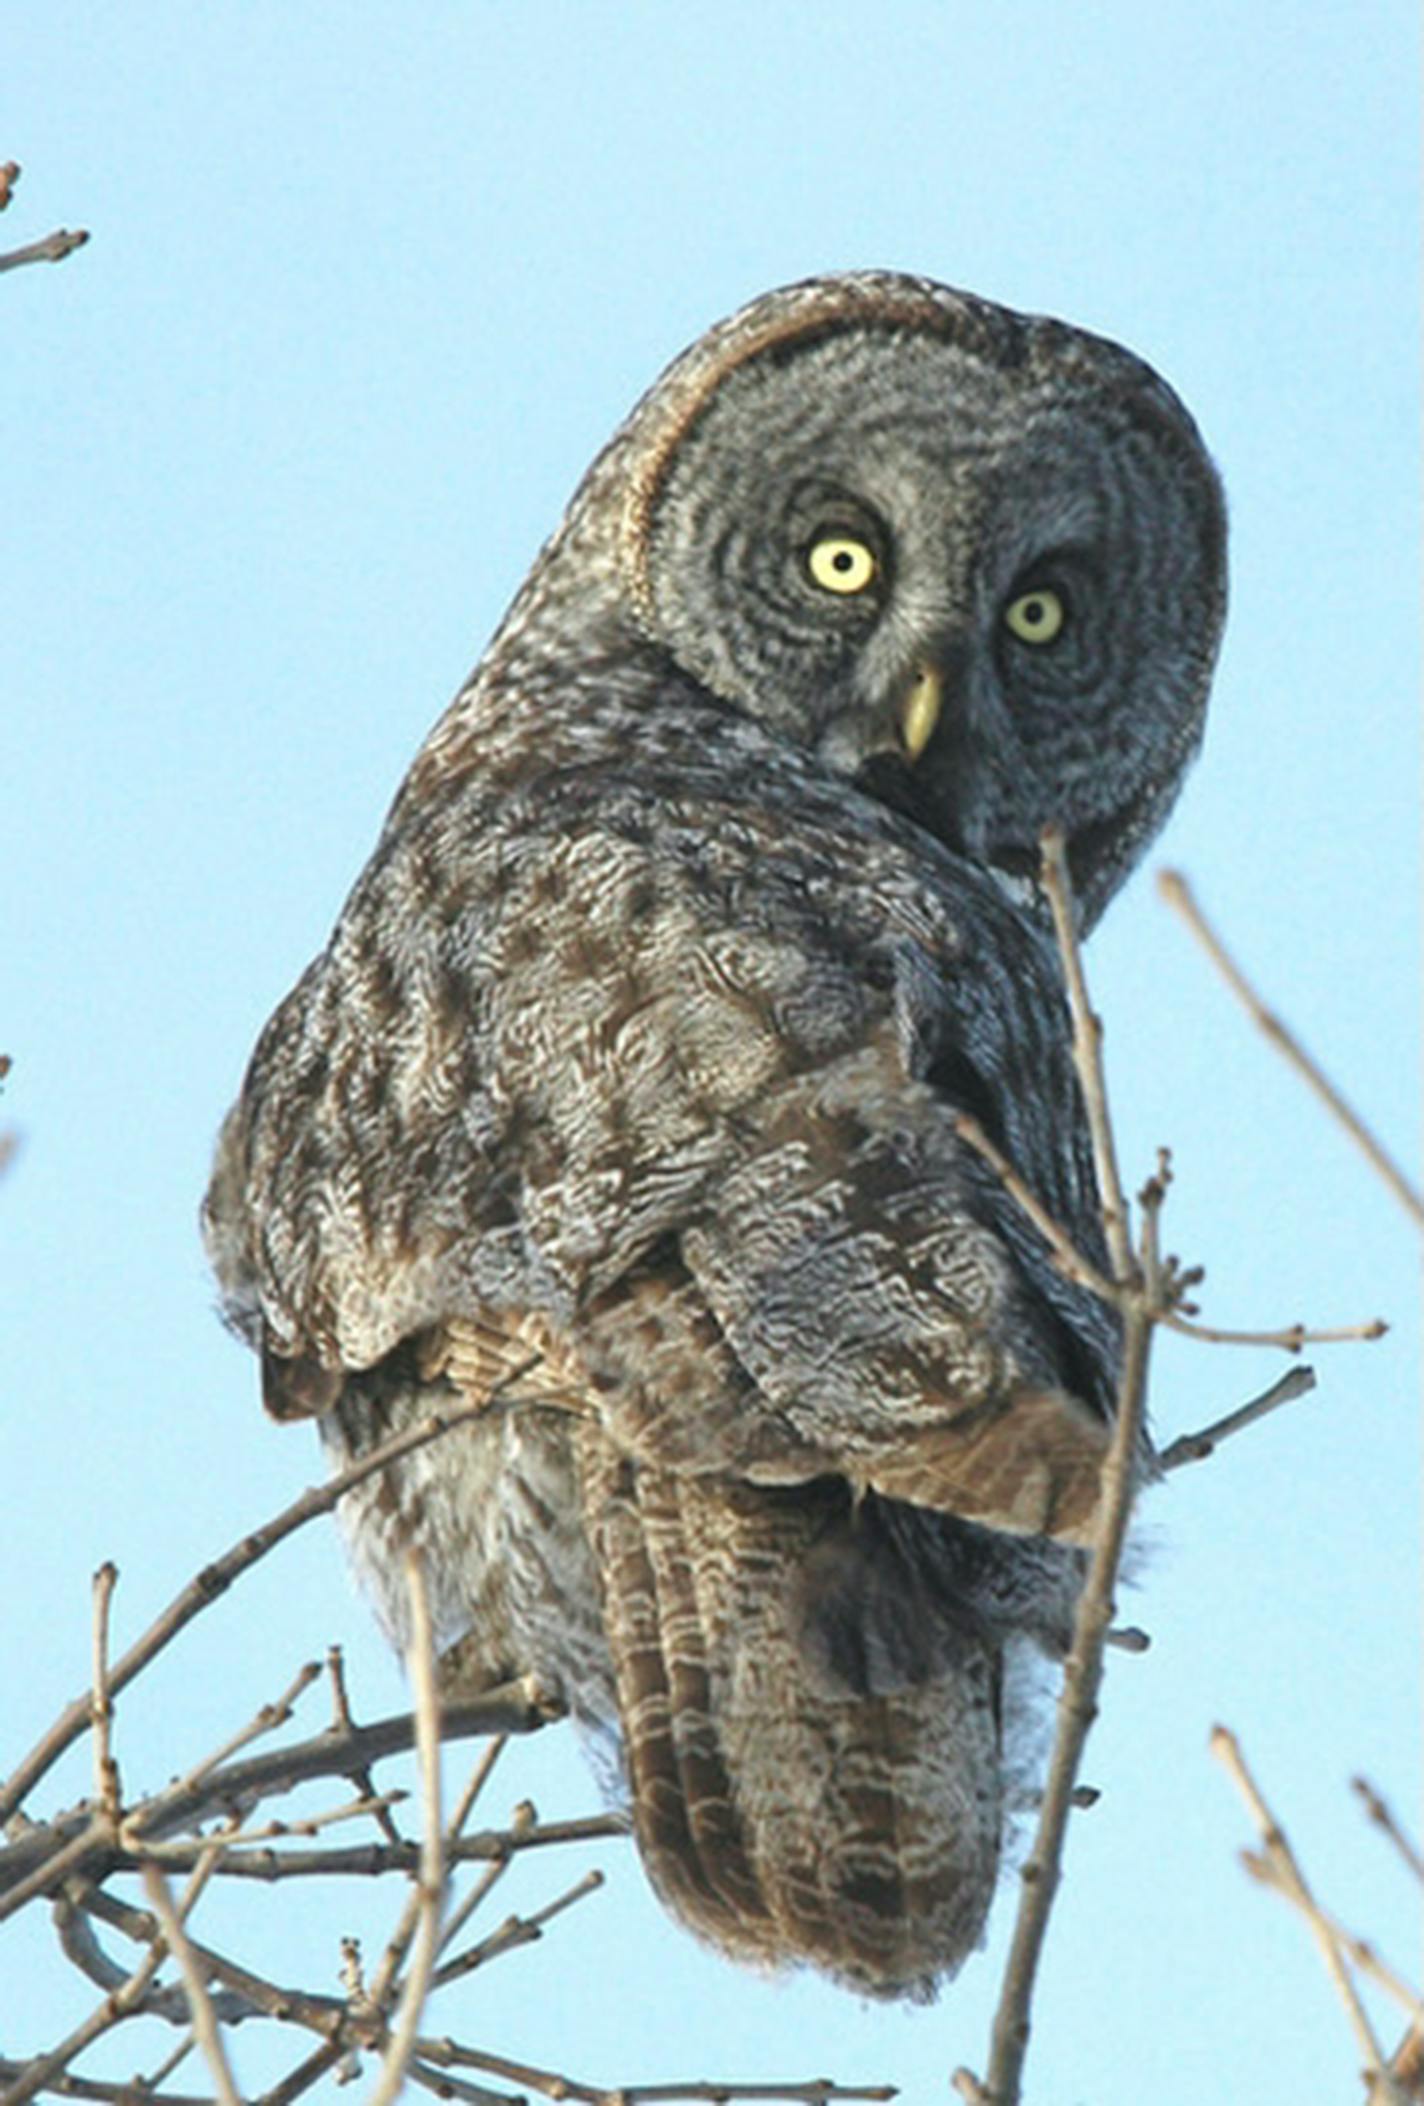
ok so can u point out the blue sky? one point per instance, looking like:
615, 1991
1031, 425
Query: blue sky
367, 288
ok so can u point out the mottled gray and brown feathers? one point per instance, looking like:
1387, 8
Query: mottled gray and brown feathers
623, 1098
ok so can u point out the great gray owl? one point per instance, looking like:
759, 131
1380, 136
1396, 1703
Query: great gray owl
638, 1047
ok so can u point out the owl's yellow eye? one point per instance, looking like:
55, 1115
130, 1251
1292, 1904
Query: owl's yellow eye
840, 563
1036, 617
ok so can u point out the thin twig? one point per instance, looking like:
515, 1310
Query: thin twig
205, 2024
79, 1942
516, 1931
307, 2072
1087, 1054
1196, 1447
1065, 1253
459, 1916
1379, 1812
214, 1580
55, 1863
106, 1773
420, 1662
445, 2086
140, 1848
476, 1898
129, 2093
1292, 1883
1267, 1873
1290, 1338
31, 1864
343, 1722
170, 2062
815, 2091
326, 2015
1178, 894
267, 1720
38, 2075
1406, 2064
52, 249
492, 1847
1140, 1292
44, 2073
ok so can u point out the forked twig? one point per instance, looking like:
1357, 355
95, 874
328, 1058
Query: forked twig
52, 248
41, 2073
214, 1580
1267, 1873
1291, 1881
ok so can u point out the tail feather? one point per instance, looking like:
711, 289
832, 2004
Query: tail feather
784, 1816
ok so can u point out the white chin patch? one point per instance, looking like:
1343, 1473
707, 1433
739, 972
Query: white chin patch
1017, 885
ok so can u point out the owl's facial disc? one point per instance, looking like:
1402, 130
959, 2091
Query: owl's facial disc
970, 560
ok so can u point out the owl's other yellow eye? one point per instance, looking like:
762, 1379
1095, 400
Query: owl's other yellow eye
840, 563
1036, 617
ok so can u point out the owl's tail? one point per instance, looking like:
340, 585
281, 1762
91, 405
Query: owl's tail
793, 1803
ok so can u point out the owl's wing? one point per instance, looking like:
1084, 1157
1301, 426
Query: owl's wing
633, 1044
846, 1303
867, 1288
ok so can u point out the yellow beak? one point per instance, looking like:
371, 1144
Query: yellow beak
919, 712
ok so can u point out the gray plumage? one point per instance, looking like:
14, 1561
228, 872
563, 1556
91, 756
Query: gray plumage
638, 1047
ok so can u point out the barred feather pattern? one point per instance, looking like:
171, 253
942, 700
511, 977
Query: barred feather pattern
623, 1102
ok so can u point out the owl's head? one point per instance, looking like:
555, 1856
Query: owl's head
974, 560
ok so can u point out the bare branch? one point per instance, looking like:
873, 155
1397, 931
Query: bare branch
266, 1721
1178, 894
106, 1774
1066, 1256
306, 2073
445, 2086
148, 2089
813, 2092
205, 2024
76, 1842
58, 1856
1139, 1293
38, 2075
1292, 1883
1268, 1874
325, 2015
53, 248
1406, 2064
343, 1721
1380, 1813
1196, 1447
1087, 1053
214, 1580
516, 1931
430, 1890
50, 250
493, 1847
1291, 1338
479, 1777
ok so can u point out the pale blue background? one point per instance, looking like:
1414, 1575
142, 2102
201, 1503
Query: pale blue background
367, 288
